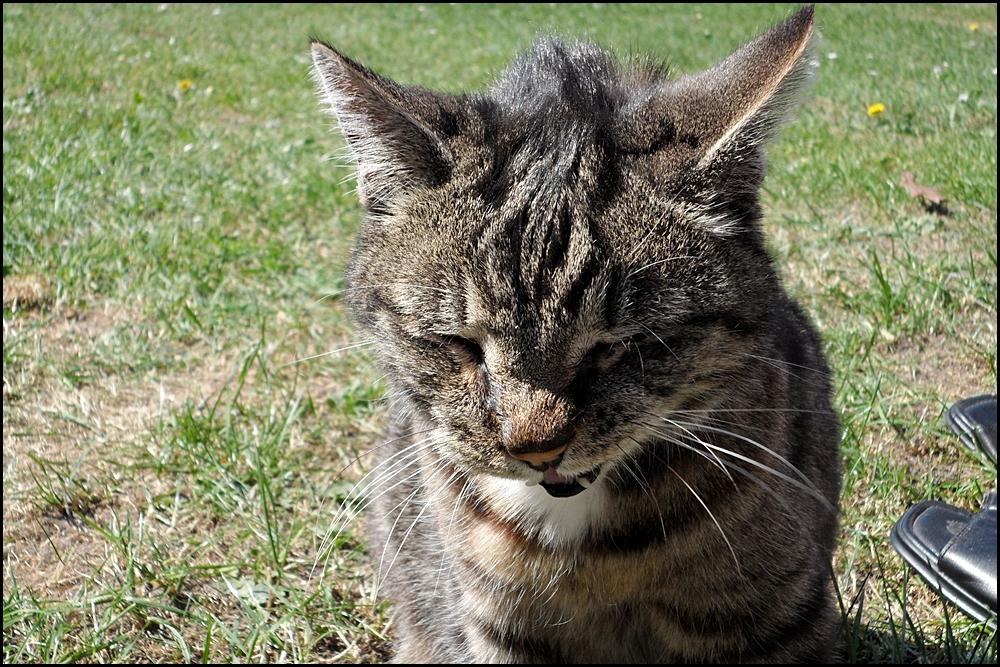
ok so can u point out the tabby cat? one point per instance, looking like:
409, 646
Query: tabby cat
611, 430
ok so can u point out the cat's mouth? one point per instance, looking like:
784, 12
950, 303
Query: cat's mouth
558, 485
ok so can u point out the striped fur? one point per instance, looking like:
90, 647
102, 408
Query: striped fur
570, 266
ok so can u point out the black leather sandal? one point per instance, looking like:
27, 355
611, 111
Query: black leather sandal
955, 552
974, 421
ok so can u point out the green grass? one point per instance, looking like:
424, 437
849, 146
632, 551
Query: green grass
178, 237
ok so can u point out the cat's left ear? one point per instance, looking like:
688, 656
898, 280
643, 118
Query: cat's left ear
736, 107
387, 126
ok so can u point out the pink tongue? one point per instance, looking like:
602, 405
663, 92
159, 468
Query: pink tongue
553, 477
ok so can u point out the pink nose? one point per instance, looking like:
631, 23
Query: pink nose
538, 458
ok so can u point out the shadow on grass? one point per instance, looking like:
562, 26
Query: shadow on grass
885, 637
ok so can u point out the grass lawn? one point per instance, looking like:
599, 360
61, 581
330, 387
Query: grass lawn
176, 444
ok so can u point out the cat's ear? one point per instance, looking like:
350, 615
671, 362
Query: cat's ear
396, 151
737, 106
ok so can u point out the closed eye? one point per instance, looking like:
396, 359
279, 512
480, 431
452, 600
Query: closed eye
605, 354
598, 353
467, 348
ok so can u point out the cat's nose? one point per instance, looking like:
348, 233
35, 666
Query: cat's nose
535, 424
536, 459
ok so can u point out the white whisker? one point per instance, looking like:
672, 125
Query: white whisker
326, 354
749, 410
429, 502
401, 506
712, 517
360, 496
767, 489
779, 363
385, 476
709, 456
718, 462
659, 261
645, 487
667, 347
808, 486
354, 288
447, 535
820, 377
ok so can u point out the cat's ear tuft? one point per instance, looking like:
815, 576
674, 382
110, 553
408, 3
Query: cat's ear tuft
736, 107
395, 149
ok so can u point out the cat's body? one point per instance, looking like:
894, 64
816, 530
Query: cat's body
612, 437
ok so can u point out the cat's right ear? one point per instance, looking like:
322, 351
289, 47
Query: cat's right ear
395, 151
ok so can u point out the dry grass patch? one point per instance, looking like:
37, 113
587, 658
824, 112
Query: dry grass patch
130, 492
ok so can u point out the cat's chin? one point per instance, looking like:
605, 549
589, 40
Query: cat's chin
563, 486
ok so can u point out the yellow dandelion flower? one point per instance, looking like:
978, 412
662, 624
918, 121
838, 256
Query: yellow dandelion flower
876, 109
185, 85
973, 27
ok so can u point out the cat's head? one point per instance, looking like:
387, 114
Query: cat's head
546, 266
